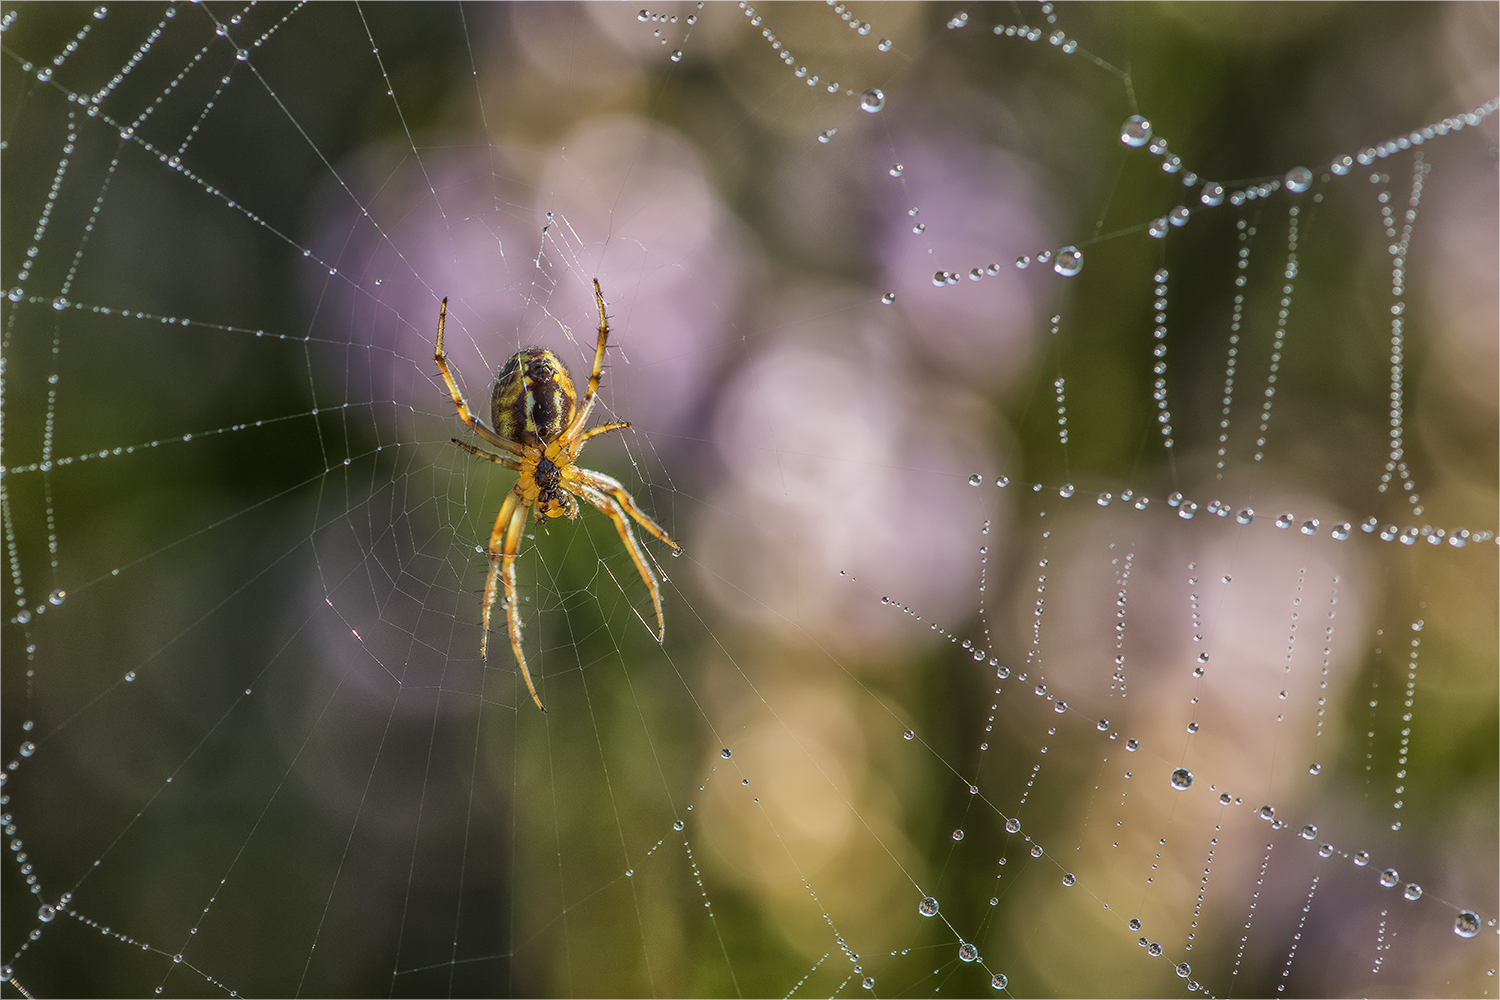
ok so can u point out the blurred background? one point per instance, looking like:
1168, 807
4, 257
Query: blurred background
250, 742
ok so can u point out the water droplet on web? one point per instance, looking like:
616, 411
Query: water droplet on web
676, 55
1212, 194
1267, 812
1298, 179
678, 825
968, 953
884, 45
958, 21
57, 597
1309, 832
975, 479
1070, 879
130, 677
999, 981
1182, 779
1069, 262
958, 834
1389, 877
1412, 891
928, 907
28, 748
1417, 625
1361, 858
1136, 131
1132, 744
868, 983
1245, 516
888, 298
1179, 215
1012, 825
909, 735
1341, 165
897, 170
726, 753
46, 914
1466, 924
629, 872
1157, 228
827, 135
872, 100
1036, 850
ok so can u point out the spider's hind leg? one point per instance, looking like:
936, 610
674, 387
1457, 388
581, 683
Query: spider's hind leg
505, 542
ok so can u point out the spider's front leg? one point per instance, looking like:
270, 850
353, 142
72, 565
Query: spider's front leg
505, 542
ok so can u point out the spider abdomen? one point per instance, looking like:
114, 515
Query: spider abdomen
534, 400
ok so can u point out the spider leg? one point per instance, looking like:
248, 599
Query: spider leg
595, 432
505, 540
598, 371
612, 487
473, 422
509, 463
616, 513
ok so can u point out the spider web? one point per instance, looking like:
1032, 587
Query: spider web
1081, 425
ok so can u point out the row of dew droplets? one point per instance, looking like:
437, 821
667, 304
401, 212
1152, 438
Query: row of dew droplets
1159, 351
1283, 314
647, 16
1396, 461
1340, 531
1245, 232
870, 101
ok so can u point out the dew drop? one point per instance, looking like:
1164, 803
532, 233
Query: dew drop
958, 834
1212, 194
1136, 131
1179, 215
1315, 769
1389, 877
1298, 179
1245, 516
1182, 779
1012, 825
57, 597
1325, 850
884, 45
908, 735
1132, 744
1036, 850
1070, 879
826, 136
726, 753
999, 981
678, 825
928, 907
1412, 891
975, 479
888, 298
47, 913
1069, 261
968, 953
872, 100
28, 748
897, 170
1309, 832
1466, 924
1361, 858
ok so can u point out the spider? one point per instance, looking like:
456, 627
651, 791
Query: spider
539, 430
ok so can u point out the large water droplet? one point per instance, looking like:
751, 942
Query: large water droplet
928, 907
1069, 261
47, 913
1466, 924
1070, 879
872, 100
1412, 891
884, 45
958, 834
999, 981
968, 953
1136, 131
1389, 877
1182, 779
1298, 179
57, 597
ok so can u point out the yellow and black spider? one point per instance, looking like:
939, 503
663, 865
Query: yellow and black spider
539, 427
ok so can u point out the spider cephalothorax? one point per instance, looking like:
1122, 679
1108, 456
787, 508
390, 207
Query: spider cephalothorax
539, 427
